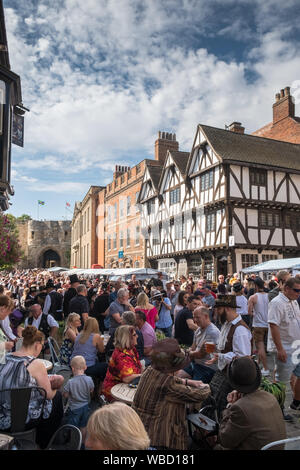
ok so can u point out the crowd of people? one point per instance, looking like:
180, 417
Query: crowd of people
183, 341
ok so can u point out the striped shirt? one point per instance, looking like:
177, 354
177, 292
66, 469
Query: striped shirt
161, 404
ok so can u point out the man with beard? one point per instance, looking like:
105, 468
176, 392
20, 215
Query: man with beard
234, 341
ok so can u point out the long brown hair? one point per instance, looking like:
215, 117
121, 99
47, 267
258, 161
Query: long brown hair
90, 326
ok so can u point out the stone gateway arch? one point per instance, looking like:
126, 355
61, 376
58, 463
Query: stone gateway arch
45, 243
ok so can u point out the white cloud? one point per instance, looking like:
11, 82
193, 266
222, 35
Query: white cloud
86, 69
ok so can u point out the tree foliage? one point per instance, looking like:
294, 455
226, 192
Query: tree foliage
10, 250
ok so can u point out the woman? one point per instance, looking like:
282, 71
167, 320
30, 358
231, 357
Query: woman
161, 397
6, 307
88, 344
116, 427
190, 288
124, 365
24, 297
149, 310
70, 333
164, 307
22, 369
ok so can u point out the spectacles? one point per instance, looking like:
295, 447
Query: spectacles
296, 290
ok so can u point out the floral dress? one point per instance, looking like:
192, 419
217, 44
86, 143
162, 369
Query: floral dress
66, 350
123, 362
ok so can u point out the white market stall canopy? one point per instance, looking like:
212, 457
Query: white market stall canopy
57, 269
274, 265
126, 272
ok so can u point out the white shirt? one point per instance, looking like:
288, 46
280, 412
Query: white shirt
241, 342
242, 305
7, 329
36, 322
285, 314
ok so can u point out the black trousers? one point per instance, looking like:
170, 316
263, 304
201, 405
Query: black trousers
47, 427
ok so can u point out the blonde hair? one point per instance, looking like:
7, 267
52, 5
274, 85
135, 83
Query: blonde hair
142, 300
78, 363
90, 326
71, 317
119, 427
123, 335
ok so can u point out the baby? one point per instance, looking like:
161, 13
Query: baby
78, 390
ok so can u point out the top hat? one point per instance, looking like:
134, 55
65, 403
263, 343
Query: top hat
226, 300
244, 374
73, 278
167, 356
50, 284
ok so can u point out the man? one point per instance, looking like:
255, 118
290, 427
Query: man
174, 299
206, 332
147, 331
284, 330
113, 295
45, 323
184, 324
53, 302
117, 308
282, 277
101, 304
208, 299
221, 286
79, 304
234, 340
258, 308
41, 296
71, 292
252, 417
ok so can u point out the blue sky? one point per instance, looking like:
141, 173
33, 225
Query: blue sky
102, 77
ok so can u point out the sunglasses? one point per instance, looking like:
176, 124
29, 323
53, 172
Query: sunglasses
296, 290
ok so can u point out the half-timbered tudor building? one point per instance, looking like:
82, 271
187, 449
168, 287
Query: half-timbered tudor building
232, 202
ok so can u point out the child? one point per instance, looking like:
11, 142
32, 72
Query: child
78, 390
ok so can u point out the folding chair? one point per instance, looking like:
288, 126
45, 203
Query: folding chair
58, 367
19, 399
67, 437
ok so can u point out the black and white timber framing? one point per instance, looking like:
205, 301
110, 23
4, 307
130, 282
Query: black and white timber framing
232, 202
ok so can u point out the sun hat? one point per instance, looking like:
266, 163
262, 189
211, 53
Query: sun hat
167, 356
244, 374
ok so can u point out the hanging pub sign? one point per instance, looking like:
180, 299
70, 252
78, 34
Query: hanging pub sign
17, 137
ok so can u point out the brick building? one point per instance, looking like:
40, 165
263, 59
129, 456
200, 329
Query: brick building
285, 125
124, 244
84, 250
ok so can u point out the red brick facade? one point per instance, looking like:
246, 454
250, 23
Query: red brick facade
285, 125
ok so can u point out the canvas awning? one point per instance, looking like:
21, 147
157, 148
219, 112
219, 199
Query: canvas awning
274, 265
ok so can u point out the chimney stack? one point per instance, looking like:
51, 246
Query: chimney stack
284, 106
119, 170
236, 127
166, 141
